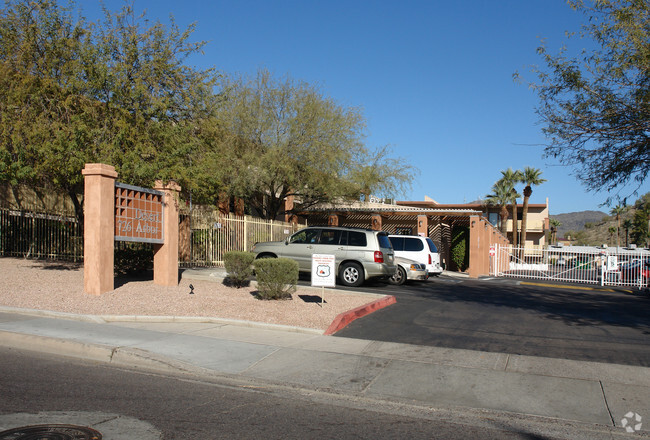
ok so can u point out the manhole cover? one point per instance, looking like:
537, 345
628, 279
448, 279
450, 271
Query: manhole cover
51, 432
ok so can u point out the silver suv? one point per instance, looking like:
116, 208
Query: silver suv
360, 254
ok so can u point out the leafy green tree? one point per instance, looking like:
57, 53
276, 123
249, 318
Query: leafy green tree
595, 105
382, 174
115, 91
641, 221
529, 176
284, 138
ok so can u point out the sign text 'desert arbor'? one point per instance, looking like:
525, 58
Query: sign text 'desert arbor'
138, 214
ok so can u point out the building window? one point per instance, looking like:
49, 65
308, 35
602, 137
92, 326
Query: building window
494, 218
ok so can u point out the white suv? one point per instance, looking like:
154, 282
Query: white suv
420, 249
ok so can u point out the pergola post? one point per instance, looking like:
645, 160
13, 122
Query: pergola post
423, 226
375, 220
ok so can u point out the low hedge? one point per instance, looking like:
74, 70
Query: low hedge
239, 266
276, 277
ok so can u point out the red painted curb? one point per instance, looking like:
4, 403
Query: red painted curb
345, 318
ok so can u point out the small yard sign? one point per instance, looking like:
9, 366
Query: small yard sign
323, 270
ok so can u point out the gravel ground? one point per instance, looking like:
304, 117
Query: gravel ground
58, 287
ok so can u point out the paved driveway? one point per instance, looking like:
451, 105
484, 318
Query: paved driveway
505, 316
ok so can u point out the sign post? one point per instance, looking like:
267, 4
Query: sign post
323, 272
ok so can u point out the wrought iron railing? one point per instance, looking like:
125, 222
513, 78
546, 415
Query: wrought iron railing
577, 264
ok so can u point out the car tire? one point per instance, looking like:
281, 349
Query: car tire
399, 278
351, 274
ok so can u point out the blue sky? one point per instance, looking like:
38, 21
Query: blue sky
434, 78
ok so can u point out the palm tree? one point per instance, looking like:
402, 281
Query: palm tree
501, 196
627, 225
617, 211
555, 223
529, 176
511, 178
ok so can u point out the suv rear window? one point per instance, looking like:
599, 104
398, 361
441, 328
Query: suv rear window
413, 244
432, 247
384, 241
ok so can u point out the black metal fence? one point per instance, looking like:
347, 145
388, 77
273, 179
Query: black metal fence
33, 234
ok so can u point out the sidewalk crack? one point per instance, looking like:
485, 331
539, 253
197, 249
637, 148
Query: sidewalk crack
609, 411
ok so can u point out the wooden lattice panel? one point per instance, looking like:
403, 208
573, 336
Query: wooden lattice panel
138, 214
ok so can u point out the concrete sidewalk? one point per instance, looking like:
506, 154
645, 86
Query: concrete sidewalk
586, 392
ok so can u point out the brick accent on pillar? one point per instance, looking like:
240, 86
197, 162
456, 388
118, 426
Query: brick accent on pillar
99, 227
375, 221
333, 220
165, 258
423, 226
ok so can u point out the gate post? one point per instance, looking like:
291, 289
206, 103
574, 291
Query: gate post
99, 227
165, 257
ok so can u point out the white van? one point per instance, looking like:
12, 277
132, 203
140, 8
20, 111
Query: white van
420, 249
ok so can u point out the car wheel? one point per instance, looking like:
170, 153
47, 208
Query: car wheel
260, 257
351, 274
399, 278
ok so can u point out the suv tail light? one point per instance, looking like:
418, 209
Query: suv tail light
430, 259
379, 257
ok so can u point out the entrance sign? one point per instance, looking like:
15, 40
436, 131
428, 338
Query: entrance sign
323, 270
138, 214
128, 213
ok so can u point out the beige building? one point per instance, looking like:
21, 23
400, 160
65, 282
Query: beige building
537, 222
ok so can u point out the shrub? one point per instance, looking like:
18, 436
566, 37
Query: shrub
276, 277
239, 266
460, 247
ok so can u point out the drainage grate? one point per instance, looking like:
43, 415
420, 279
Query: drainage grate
51, 432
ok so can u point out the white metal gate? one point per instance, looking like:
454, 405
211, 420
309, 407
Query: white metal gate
577, 264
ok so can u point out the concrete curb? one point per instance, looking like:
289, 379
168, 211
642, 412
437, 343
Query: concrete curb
102, 319
345, 318
118, 356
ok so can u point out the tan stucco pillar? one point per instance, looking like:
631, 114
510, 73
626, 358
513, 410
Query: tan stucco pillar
479, 247
423, 226
99, 227
375, 221
165, 257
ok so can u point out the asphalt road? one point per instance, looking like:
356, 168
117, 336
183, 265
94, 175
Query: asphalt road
124, 404
501, 316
